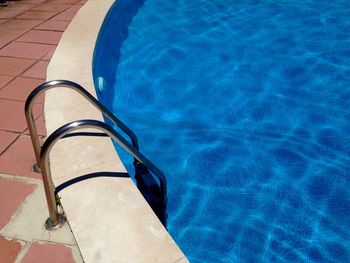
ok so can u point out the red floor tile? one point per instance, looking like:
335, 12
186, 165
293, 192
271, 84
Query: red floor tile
9, 249
36, 15
6, 138
8, 14
40, 125
40, 36
65, 16
19, 159
36, 1
26, 50
74, 9
19, 6
51, 7
7, 35
49, 55
4, 80
48, 252
20, 88
21, 24
53, 25
37, 71
14, 66
12, 195
12, 115
82, 2
72, 2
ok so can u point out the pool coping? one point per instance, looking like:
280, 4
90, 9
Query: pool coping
138, 234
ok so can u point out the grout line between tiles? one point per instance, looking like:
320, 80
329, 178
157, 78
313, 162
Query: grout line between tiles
9, 145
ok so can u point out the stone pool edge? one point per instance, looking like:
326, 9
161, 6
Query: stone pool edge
109, 217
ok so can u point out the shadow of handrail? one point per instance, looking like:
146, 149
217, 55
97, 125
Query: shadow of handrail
89, 176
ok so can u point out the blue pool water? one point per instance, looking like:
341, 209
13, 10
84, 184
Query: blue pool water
245, 106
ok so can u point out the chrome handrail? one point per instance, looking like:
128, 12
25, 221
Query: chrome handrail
49, 187
74, 86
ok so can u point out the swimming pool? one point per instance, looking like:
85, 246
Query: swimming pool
245, 107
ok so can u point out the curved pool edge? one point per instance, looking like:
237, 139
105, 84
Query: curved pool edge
108, 216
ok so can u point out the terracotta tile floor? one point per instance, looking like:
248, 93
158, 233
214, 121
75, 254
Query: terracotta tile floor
49, 55
36, 15
20, 88
8, 14
41, 36
71, 2
9, 249
26, 50
46, 252
19, 159
8, 34
6, 139
29, 33
14, 66
65, 16
53, 25
4, 80
12, 115
51, 7
22, 6
37, 71
40, 125
21, 24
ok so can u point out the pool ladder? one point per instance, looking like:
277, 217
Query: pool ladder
149, 179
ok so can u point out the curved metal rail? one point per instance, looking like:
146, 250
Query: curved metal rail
74, 86
55, 217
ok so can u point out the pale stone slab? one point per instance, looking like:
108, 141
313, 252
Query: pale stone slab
120, 222
71, 155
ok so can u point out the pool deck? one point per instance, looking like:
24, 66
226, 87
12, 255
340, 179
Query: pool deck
36, 44
29, 33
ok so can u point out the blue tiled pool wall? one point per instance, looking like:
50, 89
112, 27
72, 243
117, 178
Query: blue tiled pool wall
113, 32
255, 142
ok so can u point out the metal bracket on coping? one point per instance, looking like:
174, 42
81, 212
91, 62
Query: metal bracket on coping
61, 219
36, 168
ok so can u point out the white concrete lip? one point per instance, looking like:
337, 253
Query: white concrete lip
109, 218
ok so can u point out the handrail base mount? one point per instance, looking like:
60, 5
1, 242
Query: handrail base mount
36, 168
60, 222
